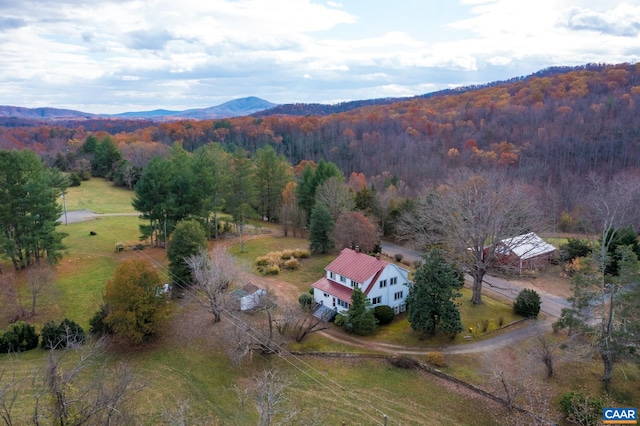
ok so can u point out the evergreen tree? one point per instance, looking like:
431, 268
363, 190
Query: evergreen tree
188, 239
151, 192
431, 297
211, 177
272, 173
320, 230
359, 319
241, 191
105, 158
29, 211
527, 303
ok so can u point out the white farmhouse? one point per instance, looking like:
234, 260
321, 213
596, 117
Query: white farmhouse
383, 282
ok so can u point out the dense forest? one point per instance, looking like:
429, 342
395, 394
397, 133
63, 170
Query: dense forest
551, 130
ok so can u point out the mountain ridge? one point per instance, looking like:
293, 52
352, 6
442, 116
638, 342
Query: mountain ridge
234, 108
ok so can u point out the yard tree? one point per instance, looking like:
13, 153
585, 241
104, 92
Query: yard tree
311, 179
39, 277
182, 200
292, 217
29, 211
211, 170
321, 230
355, 229
614, 205
105, 158
212, 276
336, 196
136, 309
359, 319
151, 192
272, 173
467, 217
188, 238
241, 191
431, 300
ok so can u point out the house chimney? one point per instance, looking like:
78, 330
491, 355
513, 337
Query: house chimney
378, 256
357, 249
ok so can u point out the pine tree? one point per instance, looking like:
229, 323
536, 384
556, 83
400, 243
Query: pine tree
320, 230
360, 319
431, 297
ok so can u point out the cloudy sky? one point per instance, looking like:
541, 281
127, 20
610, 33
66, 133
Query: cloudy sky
130, 55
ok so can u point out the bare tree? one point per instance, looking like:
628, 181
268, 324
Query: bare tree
12, 307
268, 390
9, 390
84, 391
468, 217
38, 278
355, 229
298, 323
335, 195
212, 276
614, 204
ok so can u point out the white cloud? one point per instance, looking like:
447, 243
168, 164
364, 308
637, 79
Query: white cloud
623, 20
200, 52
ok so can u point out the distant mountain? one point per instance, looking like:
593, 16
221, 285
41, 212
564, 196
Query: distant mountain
234, 108
41, 113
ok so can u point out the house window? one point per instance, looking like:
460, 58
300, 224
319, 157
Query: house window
343, 304
376, 300
326, 295
343, 279
394, 281
383, 283
331, 275
397, 295
354, 284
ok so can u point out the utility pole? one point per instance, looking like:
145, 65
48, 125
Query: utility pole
64, 205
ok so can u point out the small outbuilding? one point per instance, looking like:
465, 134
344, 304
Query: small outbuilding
524, 252
249, 296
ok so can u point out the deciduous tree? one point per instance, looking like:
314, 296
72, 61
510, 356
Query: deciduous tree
336, 196
355, 229
212, 276
467, 218
137, 309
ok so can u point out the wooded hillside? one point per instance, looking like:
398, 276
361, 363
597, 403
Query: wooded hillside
551, 129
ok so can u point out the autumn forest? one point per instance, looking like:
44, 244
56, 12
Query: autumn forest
550, 130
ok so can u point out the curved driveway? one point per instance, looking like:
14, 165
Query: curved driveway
551, 305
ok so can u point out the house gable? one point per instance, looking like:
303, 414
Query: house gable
335, 289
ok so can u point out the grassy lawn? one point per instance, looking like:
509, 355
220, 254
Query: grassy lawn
87, 264
100, 196
311, 269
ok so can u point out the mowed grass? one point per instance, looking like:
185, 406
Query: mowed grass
88, 262
311, 269
100, 196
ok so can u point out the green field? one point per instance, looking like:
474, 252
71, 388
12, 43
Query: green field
100, 196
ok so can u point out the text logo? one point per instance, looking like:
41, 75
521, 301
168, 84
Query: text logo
620, 416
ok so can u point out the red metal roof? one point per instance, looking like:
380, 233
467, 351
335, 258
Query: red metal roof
334, 289
356, 266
